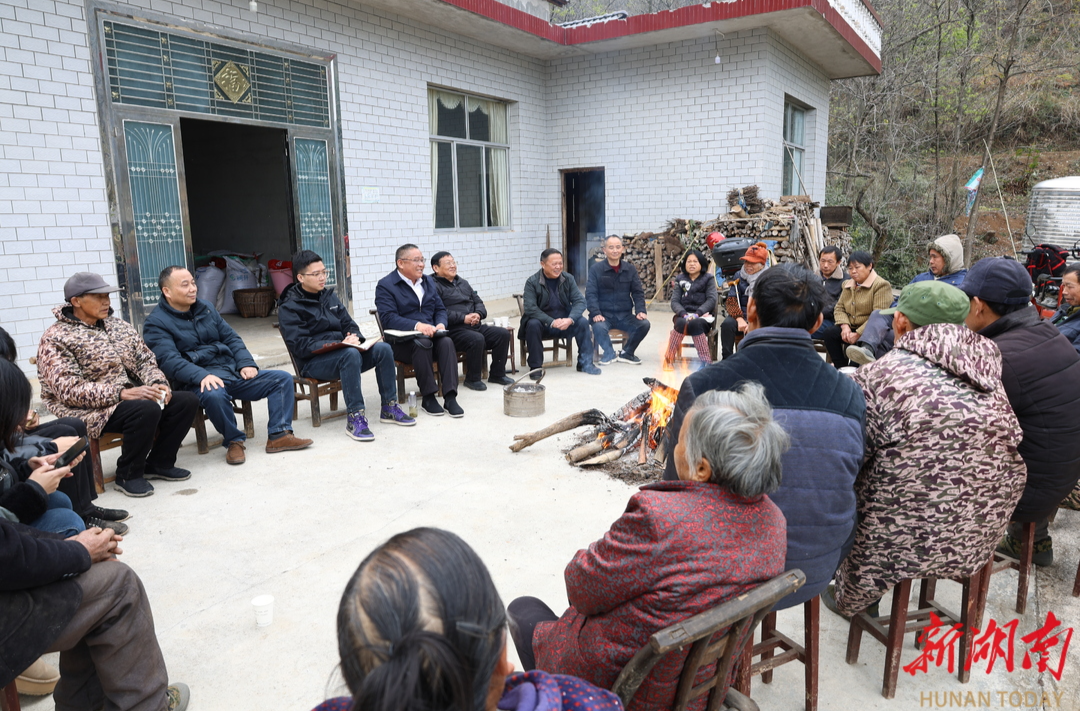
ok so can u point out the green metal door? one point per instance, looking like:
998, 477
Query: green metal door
315, 213
154, 187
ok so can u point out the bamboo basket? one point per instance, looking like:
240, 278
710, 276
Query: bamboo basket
255, 303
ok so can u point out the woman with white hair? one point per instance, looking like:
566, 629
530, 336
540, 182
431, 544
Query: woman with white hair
681, 548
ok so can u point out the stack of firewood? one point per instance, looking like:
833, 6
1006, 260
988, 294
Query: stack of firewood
789, 222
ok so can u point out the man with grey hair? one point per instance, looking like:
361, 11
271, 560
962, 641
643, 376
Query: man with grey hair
616, 300
822, 410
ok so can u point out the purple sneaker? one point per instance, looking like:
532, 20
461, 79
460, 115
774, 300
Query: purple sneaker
394, 415
358, 427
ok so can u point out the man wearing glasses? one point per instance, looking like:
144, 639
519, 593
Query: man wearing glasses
312, 318
408, 300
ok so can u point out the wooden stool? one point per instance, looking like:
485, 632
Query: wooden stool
244, 409
107, 440
1023, 565
771, 639
890, 631
618, 342
9, 698
557, 344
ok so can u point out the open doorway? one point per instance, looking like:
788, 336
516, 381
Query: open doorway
239, 194
583, 215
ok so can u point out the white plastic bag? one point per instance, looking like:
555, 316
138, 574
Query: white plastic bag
237, 276
210, 279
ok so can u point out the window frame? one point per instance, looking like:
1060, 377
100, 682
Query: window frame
484, 146
797, 178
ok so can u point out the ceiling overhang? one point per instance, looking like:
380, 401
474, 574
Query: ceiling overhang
814, 27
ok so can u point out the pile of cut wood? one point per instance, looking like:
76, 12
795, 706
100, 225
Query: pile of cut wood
789, 222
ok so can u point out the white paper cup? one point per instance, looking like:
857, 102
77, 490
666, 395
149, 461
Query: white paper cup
264, 609
848, 370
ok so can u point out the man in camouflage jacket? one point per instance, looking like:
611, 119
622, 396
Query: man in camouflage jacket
942, 474
95, 366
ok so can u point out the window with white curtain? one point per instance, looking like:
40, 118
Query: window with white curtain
470, 163
794, 147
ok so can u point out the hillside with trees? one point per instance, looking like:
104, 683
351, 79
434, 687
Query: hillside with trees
962, 80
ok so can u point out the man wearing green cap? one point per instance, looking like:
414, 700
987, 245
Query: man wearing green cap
936, 416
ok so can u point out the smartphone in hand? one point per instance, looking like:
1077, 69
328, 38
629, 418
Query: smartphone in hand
72, 452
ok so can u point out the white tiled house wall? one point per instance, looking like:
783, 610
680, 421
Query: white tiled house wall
53, 207
673, 130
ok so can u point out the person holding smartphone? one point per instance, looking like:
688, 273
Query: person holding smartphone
35, 501
37, 439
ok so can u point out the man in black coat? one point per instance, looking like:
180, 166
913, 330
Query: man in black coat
313, 323
99, 620
408, 300
1040, 370
466, 312
823, 411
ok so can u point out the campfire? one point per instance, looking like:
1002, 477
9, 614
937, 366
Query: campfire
638, 426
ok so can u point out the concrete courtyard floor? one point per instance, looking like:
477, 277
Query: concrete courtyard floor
296, 525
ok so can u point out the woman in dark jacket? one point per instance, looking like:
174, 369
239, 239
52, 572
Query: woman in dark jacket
35, 501
681, 548
693, 301
1067, 318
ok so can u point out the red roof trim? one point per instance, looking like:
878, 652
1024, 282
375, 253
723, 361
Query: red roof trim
682, 17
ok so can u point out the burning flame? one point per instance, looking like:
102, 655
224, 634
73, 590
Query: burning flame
660, 409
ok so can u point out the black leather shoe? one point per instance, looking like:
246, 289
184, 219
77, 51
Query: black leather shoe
503, 380
107, 514
475, 385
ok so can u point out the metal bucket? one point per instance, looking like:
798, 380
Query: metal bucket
524, 399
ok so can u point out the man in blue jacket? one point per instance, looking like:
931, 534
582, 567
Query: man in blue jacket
313, 321
822, 410
408, 300
615, 299
199, 352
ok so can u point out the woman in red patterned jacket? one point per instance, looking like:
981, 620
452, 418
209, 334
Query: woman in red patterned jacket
681, 547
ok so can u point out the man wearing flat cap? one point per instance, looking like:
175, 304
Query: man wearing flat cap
942, 474
95, 366
1040, 370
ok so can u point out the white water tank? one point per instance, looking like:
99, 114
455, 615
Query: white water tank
1054, 213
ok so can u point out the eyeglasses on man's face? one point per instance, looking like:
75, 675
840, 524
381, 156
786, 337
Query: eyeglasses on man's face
417, 260
317, 275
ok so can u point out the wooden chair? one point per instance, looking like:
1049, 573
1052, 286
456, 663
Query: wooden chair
9, 698
406, 370
107, 440
890, 630
311, 389
557, 344
715, 636
1022, 565
771, 640
243, 408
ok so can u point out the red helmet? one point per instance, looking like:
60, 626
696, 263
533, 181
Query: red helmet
714, 239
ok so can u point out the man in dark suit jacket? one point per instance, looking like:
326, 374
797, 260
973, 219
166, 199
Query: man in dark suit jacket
408, 300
